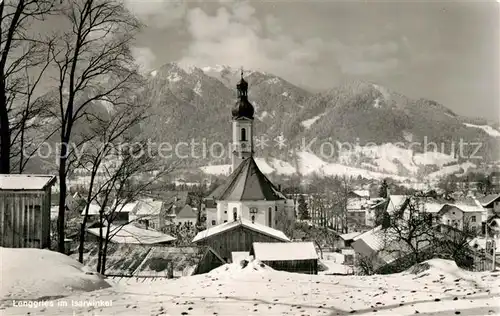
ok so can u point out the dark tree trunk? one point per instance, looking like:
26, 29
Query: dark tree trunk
4, 131
105, 251
62, 201
99, 253
82, 239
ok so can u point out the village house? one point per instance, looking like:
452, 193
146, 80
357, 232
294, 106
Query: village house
248, 193
73, 203
25, 202
346, 240
210, 213
237, 236
121, 212
150, 213
457, 214
295, 257
186, 215
491, 205
494, 179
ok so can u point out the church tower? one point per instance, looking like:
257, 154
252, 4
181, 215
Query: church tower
242, 117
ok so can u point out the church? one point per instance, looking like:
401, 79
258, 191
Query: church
248, 194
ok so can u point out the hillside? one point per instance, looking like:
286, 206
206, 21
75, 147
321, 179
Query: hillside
356, 127
191, 102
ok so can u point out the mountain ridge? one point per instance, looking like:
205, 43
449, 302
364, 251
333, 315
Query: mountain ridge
193, 103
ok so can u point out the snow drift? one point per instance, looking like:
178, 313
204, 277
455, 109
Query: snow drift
35, 274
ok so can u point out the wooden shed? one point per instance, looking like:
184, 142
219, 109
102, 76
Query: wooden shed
25, 210
238, 235
208, 262
297, 257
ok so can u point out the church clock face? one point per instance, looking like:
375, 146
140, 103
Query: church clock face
243, 145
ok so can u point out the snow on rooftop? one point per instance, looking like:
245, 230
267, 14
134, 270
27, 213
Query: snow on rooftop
130, 234
271, 251
241, 222
25, 181
148, 208
35, 273
395, 202
94, 209
362, 193
350, 235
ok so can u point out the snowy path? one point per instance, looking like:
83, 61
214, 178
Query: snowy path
266, 292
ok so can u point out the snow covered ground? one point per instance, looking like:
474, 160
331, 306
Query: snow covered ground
34, 274
440, 288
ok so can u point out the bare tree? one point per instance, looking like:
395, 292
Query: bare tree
94, 49
22, 50
454, 242
109, 133
365, 264
135, 174
412, 228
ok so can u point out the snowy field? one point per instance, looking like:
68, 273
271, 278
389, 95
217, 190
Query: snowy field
440, 288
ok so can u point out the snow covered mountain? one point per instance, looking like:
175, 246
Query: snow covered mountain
383, 132
356, 128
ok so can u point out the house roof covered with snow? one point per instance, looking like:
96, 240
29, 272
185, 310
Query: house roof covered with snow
349, 236
396, 202
275, 251
124, 207
130, 234
93, 209
488, 200
361, 193
25, 182
375, 240
148, 207
247, 183
224, 227
187, 212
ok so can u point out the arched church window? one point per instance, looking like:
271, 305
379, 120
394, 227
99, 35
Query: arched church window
235, 216
243, 134
270, 216
253, 218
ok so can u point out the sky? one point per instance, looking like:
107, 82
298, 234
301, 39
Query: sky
441, 50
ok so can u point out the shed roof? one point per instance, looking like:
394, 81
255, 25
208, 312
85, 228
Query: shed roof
187, 212
25, 182
266, 230
130, 234
274, 251
349, 236
247, 183
374, 239
487, 200
361, 193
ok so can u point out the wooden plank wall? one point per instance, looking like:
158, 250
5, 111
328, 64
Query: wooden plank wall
238, 239
296, 266
24, 219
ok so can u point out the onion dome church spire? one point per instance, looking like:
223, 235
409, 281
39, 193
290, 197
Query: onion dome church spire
243, 108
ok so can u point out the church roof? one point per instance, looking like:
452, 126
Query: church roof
247, 183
